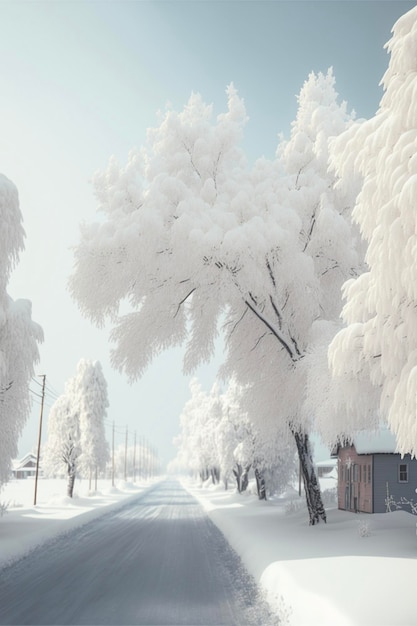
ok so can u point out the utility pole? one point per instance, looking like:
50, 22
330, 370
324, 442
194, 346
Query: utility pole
39, 437
134, 459
126, 455
112, 457
140, 457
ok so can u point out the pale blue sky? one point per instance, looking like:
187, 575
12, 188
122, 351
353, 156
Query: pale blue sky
81, 81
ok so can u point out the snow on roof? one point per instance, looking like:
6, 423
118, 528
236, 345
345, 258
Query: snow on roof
374, 442
327, 463
20, 463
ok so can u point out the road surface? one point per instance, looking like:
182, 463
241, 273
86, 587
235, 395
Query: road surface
157, 560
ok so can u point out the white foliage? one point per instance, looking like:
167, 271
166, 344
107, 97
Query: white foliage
377, 351
198, 420
193, 238
138, 461
63, 448
11, 233
93, 403
76, 434
19, 335
215, 432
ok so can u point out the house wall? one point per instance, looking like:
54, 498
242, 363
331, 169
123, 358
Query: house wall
387, 473
355, 474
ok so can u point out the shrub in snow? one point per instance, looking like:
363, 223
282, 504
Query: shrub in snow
364, 528
3, 508
409, 503
330, 497
293, 506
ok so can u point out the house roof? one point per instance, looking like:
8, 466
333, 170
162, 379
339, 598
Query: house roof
328, 463
20, 463
374, 442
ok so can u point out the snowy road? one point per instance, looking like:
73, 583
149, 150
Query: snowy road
157, 560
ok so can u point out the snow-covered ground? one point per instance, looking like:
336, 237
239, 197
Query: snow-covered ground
25, 526
358, 570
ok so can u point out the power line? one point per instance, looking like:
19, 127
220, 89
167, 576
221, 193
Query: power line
35, 393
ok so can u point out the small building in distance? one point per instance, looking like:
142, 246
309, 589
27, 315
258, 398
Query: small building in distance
325, 468
25, 467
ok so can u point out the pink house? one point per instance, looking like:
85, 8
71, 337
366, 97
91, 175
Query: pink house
370, 469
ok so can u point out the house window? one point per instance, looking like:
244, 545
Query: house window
355, 473
403, 473
369, 473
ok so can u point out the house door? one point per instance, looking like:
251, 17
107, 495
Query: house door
347, 498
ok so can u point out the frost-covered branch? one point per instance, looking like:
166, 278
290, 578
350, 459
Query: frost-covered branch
273, 330
312, 224
184, 300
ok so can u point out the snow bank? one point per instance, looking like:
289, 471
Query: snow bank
24, 526
357, 570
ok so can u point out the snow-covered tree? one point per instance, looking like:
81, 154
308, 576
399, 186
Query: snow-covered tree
218, 437
93, 403
374, 358
197, 443
309, 248
63, 448
140, 461
19, 335
76, 437
232, 429
193, 237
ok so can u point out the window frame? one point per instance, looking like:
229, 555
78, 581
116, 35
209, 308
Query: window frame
403, 472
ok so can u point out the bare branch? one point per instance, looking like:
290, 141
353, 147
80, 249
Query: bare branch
258, 341
238, 322
271, 274
333, 267
276, 311
312, 224
273, 330
191, 159
216, 165
183, 300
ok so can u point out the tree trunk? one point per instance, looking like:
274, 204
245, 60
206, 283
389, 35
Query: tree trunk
242, 477
260, 484
215, 478
311, 485
236, 473
71, 479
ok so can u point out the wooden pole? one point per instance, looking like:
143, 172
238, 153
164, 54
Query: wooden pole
39, 438
134, 459
126, 455
112, 457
